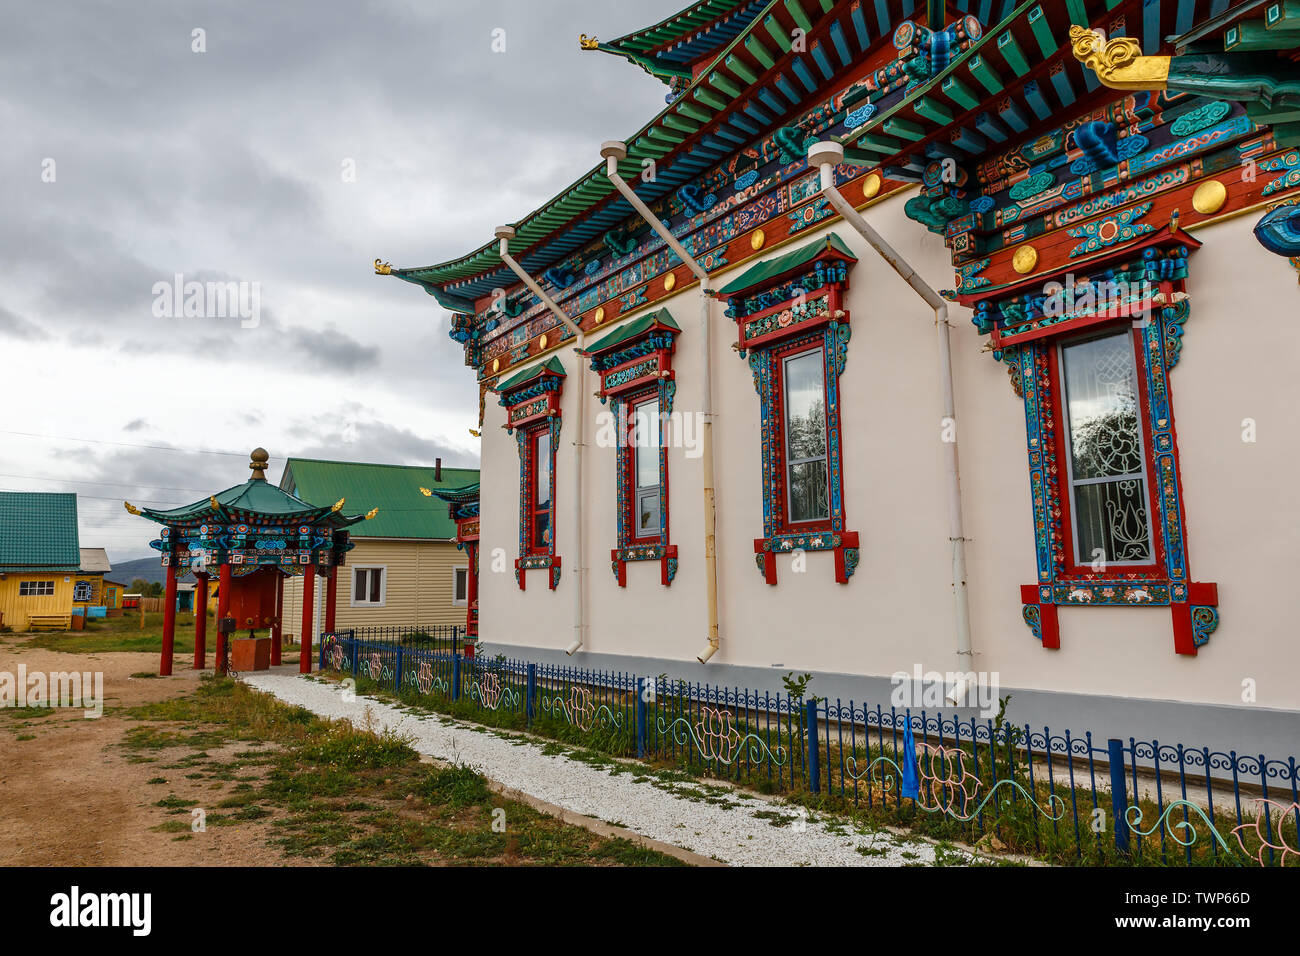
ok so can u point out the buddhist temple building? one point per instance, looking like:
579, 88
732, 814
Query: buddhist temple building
911, 338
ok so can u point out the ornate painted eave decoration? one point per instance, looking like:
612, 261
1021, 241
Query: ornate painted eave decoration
1253, 74
668, 49
729, 110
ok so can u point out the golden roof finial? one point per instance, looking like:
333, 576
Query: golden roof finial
371, 513
338, 505
131, 508
588, 43
1119, 62
258, 464
475, 434
212, 502
383, 268
426, 492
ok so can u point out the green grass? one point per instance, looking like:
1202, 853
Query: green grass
328, 790
106, 635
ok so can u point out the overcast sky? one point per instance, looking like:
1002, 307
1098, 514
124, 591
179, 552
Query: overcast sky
129, 158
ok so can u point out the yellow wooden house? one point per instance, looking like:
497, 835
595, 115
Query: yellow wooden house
40, 559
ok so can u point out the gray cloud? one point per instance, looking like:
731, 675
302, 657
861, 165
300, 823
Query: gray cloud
227, 165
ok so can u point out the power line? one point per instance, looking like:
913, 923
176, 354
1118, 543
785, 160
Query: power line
82, 481
126, 444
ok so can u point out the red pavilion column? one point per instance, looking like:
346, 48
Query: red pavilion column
223, 611
471, 591
278, 628
331, 596
200, 621
308, 605
169, 622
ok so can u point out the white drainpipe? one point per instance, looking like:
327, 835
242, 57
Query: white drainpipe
505, 234
613, 152
826, 156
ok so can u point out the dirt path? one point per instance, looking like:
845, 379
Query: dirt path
71, 795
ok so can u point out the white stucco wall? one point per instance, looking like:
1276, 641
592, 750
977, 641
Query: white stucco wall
897, 611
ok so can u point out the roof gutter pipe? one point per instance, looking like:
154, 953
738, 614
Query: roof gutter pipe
505, 234
826, 156
613, 152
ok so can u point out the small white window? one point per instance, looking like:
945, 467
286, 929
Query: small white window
35, 588
368, 586
459, 585
645, 469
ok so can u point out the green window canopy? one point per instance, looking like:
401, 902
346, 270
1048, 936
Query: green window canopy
551, 366
660, 319
772, 268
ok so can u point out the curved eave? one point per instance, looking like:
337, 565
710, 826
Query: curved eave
720, 94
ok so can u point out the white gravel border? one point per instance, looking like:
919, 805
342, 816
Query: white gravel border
713, 821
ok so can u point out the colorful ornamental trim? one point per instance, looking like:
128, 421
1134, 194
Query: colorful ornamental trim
781, 314
1193, 605
635, 364
532, 402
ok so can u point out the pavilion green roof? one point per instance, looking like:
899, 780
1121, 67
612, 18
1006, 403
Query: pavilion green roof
551, 365
660, 318
771, 268
254, 498
38, 531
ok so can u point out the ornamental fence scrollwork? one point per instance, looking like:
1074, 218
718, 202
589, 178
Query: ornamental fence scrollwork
581, 710
716, 738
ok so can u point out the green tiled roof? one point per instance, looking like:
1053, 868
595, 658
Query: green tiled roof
551, 365
771, 268
628, 330
38, 531
393, 489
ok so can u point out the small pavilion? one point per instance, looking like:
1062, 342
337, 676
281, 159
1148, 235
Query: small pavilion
255, 535
462, 507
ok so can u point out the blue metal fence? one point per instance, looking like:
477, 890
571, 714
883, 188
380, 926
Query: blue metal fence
1054, 794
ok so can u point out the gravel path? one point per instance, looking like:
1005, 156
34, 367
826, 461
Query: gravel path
711, 820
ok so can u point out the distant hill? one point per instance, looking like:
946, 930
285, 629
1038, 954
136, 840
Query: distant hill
150, 569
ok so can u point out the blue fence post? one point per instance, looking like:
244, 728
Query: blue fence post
642, 684
531, 709
814, 755
1118, 794
398, 670
356, 652
455, 677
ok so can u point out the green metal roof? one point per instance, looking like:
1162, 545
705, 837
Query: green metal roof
255, 496
393, 489
551, 365
658, 318
770, 268
38, 531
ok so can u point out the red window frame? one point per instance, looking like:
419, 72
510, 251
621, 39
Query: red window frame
533, 436
1061, 458
628, 406
780, 355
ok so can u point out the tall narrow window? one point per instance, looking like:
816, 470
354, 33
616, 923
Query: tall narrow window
794, 331
540, 537
645, 443
804, 394
1107, 464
